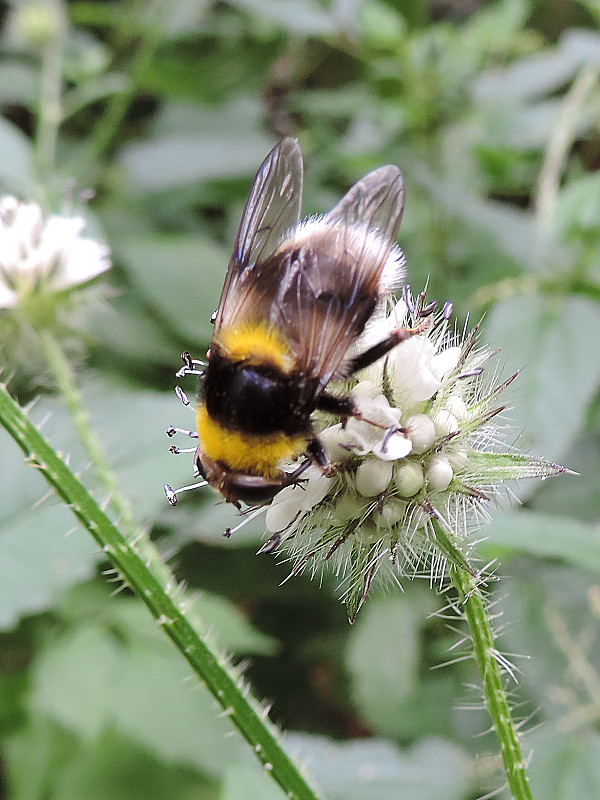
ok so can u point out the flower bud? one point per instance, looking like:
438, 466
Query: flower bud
439, 473
409, 478
373, 477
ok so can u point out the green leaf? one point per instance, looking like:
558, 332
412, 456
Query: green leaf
552, 339
73, 680
89, 680
384, 678
376, 769
543, 535
248, 782
180, 275
17, 174
565, 765
115, 767
40, 554
301, 17
193, 144
540, 73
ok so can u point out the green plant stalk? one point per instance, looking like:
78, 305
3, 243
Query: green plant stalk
65, 382
49, 111
108, 123
476, 614
225, 685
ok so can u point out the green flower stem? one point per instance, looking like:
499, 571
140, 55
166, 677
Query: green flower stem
211, 667
475, 611
65, 382
49, 111
108, 123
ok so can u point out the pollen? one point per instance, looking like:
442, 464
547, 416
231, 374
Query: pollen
250, 454
256, 343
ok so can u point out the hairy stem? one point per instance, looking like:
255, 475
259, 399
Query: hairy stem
164, 601
476, 613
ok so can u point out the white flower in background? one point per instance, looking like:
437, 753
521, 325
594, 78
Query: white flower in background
44, 254
412, 483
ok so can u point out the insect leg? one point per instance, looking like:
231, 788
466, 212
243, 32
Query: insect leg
378, 350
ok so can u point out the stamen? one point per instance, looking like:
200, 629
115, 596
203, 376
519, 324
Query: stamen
408, 299
471, 373
248, 517
172, 430
172, 493
190, 366
447, 309
182, 395
427, 310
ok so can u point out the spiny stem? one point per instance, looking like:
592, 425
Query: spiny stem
476, 613
161, 600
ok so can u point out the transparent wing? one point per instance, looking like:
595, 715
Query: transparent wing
272, 208
336, 278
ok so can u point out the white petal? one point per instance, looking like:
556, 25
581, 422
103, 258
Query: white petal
86, 259
444, 362
280, 515
8, 298
413, 380
445, 422
337, 443
421, 432
397, 446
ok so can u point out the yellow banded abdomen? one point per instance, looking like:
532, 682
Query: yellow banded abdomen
251, 454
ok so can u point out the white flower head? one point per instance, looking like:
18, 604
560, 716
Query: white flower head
45, 254
413, 471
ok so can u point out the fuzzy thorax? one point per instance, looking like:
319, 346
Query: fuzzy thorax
256, 343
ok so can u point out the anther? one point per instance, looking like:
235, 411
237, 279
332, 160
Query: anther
427, 310
172, 430
182, 395
472, 373
172, 493
447, 309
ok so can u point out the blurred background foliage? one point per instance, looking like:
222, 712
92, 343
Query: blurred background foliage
165, 110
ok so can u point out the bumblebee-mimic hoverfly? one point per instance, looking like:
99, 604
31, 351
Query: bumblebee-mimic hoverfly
297, 295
